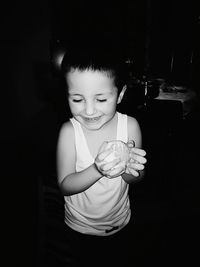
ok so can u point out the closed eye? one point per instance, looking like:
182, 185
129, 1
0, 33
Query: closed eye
101, 100
76, 100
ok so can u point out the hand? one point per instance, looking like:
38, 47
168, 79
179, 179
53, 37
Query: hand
136, 159
105, 167
108, 160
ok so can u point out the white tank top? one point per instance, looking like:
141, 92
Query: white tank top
104, 208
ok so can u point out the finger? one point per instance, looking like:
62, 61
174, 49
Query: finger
135, 166
139, 151
132, 171
102, 155
110, 165
103, 146
116, 172
137, 159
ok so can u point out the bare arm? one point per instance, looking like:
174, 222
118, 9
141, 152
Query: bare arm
78, 182
135, 169
70, 181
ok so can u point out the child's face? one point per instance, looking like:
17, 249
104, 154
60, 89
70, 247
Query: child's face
93, 97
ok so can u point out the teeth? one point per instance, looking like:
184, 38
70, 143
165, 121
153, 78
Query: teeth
92, 119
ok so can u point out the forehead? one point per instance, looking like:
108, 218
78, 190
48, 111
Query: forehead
90, 81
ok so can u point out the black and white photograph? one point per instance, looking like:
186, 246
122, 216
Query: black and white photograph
100, 133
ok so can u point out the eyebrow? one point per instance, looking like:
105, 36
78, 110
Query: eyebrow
75, 94
100, 94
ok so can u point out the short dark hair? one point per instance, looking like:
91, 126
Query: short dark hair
105, 60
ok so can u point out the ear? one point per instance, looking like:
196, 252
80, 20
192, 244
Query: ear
121, 95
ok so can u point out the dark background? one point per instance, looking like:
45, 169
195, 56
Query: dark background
150, 32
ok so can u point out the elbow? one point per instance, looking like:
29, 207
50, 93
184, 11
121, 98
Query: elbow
65, 190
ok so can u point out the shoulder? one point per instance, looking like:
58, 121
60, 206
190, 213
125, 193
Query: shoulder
132, 123
66, 129
66, 133
134, 131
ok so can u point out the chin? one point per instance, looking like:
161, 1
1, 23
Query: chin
94, 127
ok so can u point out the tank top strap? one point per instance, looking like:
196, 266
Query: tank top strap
122, 127
80, 141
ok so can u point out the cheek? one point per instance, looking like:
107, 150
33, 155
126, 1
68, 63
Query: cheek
106, 108
112, 105
74, 108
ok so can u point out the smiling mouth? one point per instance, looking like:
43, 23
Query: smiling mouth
92, 119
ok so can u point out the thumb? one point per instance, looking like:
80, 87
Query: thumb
131, 143
103, 146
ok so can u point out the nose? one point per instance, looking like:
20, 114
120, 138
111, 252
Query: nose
89, 108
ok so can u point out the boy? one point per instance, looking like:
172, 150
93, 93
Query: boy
96, 200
